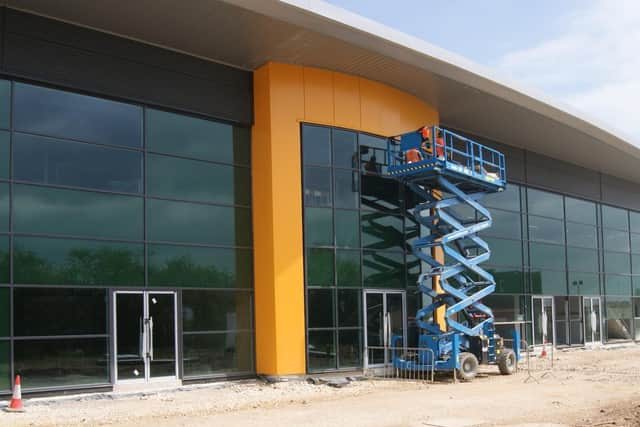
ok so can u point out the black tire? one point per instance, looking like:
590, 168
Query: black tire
507, 362
468, 366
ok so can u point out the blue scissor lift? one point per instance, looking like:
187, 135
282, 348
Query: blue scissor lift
449, 174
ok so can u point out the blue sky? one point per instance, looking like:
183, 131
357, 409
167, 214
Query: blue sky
584, 53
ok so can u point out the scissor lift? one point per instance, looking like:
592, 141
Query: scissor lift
450, 173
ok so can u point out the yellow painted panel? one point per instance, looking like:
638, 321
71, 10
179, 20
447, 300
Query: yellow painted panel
346, 93
318, 96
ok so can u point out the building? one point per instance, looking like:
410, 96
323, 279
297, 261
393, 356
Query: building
194, 191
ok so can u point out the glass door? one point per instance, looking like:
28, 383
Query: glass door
543, 320
384, 317
145, 335
592, 320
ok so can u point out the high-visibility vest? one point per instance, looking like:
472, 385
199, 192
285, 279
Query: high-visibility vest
413, 156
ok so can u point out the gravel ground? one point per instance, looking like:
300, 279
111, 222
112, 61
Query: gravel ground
585, 388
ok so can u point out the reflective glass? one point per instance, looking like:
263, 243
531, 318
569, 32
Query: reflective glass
581, 235
349, 348
62, 114
216, 310
346, 188
345, 149
373, 152
41, 261
635, 264
505, 252
52, 161
548, 282
506, 308
583, 284
217, 353
321, 350
192, 266
317, 187
4, 154
383, 269
4, 259
582, 260
5, 357
509, 199
347, 228
320, 308
617, 263
617, 285
59, 311
381, 231
77, 361
547, 256
615, 240
4, 207
505, 224
5, 306
318, 226
634, 220
184, 179
194, 223
319, 266
380, 193
5, 104
316, 145
580, 211
614, 218
618, 324
192, 137
635, 243
546, 230
349, 308
544, 204
508, 280
76, 213
348, 268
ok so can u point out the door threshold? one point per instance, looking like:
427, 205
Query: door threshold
159, 385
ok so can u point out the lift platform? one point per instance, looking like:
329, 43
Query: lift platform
450, 173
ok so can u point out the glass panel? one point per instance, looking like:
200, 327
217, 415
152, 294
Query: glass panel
508, 280
547, 256
560, 304
380, 193
196, 180
581, 235
317, 186
505, 252
4, 207
319, 267
617, 263
322, 350
635, 243
130, 336
5, 310
383, 269
375, 327
617, 285
580, 210
546, 230
217, 353
382, 231
68, 115
614, 218
192, 137
583, 284
615, 240
52, 161
634, 219
348, 268
77, 361
345, 149
396, 314
5, 357
349, 348
216, 310
505, 224
4, 259
320, 308
163, 327
187, 266
41, 261
316, 145
4, 154
51, 311
506, 308
544, 203
77, 213
347, 228
194, 223
5, 104
349, 308
318, 227
346, 188
582, 259
618, 319
548, 282
373, 152
508, 199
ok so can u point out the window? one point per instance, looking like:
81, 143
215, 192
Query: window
580, 211
4, 207
615, 218
546, 230
581, 235
545, 204
318, 227
316, 148
317, 187
547, 256
506, 200
579, 259
5, 104
4, 154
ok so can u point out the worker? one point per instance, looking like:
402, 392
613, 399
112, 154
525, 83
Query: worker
440, 145
412, 156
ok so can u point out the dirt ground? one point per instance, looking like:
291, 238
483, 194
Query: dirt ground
585, 388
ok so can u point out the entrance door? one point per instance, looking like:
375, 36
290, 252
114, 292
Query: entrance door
592, 320
543, 320
384, 317
145, 336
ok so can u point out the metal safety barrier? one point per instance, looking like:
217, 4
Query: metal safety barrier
380, 363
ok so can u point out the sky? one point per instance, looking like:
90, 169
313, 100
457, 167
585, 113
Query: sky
583, 53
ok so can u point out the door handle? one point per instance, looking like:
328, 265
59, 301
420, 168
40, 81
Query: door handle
141, 341
151, 338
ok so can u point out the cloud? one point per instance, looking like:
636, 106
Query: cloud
593, 64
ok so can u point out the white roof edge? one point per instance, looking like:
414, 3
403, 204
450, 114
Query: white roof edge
366, 33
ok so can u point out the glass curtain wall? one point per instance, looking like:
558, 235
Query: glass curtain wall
97, 194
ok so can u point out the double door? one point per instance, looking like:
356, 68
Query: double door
384, 317
592, 312
145, 343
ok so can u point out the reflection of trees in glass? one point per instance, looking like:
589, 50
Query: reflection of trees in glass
348, 271
183, 271
384, 269
81, 266
4, 267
